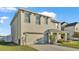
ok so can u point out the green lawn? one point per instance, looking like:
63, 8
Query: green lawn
16, 48
73, 44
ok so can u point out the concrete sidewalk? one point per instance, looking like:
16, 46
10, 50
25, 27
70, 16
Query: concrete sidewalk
52, 48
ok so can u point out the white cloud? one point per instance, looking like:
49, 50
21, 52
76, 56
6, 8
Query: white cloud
7, 9
50, 14
2, 19
11, 8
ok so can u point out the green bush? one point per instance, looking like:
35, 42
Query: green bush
52, 38
2, 42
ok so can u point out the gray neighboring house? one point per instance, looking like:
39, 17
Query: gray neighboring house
7, 38
29, 27
71, 28
1, 38
63, 24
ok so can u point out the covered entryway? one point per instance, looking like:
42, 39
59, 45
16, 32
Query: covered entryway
55, 35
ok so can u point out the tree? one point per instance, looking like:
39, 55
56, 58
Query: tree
53, 38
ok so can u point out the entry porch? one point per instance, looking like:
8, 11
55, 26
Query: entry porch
53, 35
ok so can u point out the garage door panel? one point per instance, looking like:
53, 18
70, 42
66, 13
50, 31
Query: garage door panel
33, 38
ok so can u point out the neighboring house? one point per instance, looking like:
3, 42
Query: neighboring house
1, 38
30, 28
72, 29
63, 24
6, 38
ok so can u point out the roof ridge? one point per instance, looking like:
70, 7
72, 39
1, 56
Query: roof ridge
71, 24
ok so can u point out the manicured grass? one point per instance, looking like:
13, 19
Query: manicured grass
72, 44
16, 48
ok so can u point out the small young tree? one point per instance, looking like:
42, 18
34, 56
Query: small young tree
53, 38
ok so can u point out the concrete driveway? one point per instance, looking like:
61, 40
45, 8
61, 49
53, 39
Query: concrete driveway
48, 47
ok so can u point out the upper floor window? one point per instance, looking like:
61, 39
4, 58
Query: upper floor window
38, 20
46, 20
57, 25
27, 17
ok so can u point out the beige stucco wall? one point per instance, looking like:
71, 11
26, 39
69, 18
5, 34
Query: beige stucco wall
14, 31
59, 26
16, 28
33, 27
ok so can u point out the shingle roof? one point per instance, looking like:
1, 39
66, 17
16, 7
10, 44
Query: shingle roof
55, 30
63, 23
55, 21
71, 24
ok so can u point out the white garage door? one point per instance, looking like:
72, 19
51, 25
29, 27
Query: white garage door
34, 38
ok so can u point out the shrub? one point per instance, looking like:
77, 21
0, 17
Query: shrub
52, 38
2, 42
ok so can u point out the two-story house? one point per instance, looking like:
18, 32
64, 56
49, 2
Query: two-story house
28, 27
73, 30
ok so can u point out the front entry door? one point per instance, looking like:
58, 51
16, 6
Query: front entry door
47, 38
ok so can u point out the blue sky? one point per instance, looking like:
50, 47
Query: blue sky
66, 14
62, 13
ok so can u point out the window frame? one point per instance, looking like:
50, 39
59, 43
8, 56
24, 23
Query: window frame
27, 17
46, 20
38, 19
